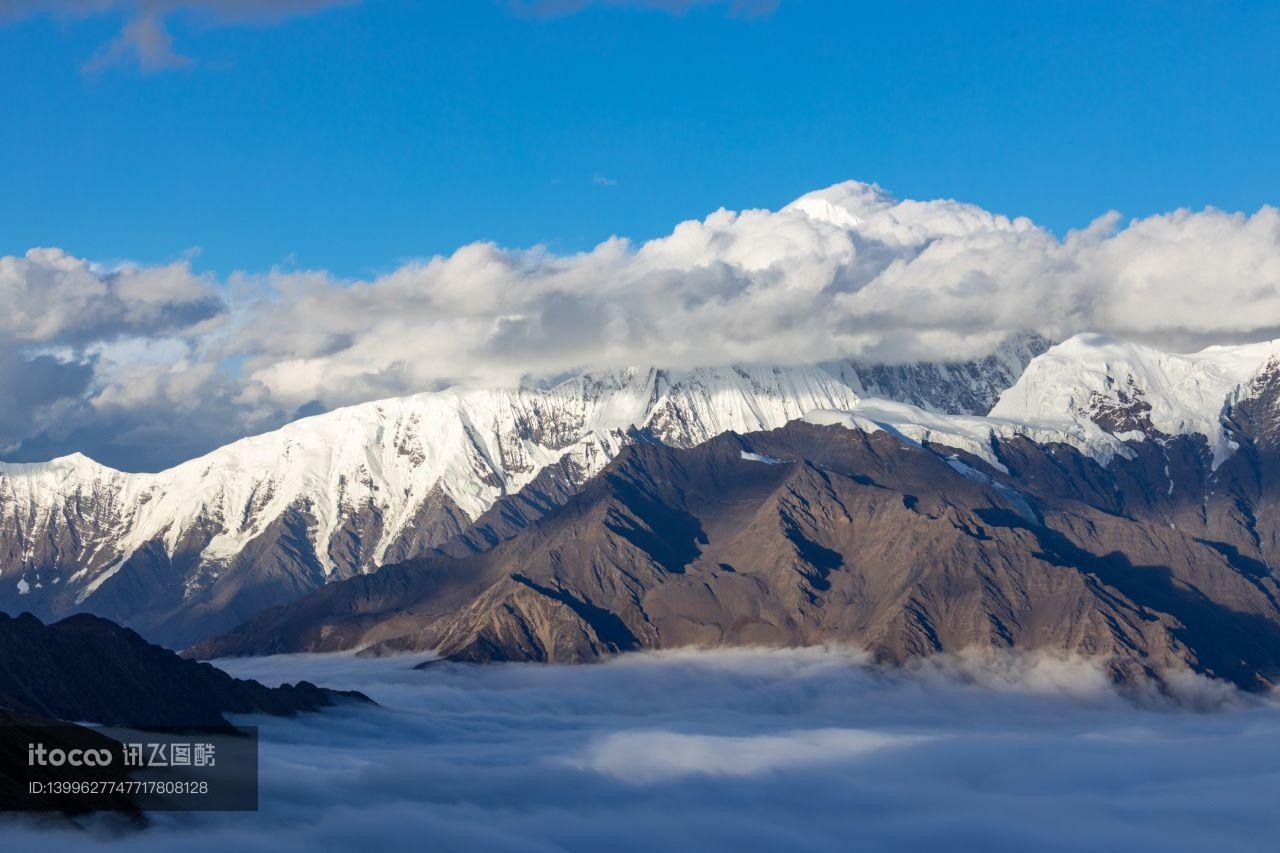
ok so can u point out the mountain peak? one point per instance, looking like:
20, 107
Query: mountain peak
844, 205
61, 466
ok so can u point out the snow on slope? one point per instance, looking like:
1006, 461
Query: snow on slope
388, 458
970, 433
1092, 387
1092, 393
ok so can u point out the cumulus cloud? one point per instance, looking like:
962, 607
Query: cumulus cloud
49, 297
74, 337
806, 750
846, 272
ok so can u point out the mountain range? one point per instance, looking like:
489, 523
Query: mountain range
1114, 501
192, 550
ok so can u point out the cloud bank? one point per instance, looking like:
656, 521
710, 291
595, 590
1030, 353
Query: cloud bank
805, 750
156, 363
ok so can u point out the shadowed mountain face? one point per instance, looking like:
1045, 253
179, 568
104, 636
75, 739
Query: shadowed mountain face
821, 534
85, 668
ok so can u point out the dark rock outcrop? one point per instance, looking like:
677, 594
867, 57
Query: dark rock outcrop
16, 731
88, 669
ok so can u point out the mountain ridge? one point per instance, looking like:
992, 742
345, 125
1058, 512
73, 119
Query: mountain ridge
270, 517
84, 668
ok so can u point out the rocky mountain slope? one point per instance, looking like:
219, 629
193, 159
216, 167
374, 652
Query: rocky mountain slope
1147, 548
185, 554
192, 550
87, 669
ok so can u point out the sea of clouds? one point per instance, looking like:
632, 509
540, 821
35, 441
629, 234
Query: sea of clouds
142, 366
810, 750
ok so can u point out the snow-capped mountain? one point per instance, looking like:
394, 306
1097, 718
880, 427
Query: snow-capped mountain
1097, 395
267, 517
185, 552
1097, 389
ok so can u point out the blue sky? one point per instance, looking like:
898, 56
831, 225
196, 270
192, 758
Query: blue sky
355, 137
274, 170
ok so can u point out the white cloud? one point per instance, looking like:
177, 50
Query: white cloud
49, 297
88, 354
489, 758
848, 271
